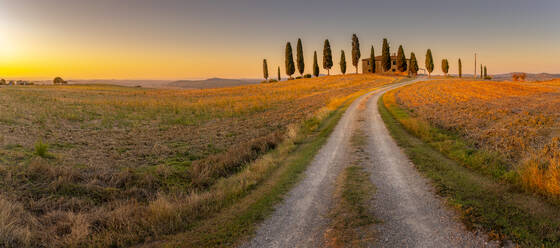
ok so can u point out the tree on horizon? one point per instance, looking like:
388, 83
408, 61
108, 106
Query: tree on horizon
460, 69
290, 67
315, 65
59, 80
481, 72
299, 58
342, 62
372, 61
401, 60
485, 73
445, 66
355, 51
429, 62
265, 70
279, 78
327, 57
385, 56
413, 67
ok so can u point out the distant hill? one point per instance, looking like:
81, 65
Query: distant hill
530, 76
124, 82
212, 83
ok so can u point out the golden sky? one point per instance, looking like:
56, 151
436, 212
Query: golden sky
171, 39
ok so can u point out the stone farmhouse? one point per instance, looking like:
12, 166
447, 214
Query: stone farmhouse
366, 69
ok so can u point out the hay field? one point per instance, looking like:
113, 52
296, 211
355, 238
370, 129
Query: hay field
98, 165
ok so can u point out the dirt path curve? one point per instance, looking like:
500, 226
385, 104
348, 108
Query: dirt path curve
413, 216
301, 219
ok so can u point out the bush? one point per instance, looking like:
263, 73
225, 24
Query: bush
272, 81
41, 149
307, 76
299, 77
59, 80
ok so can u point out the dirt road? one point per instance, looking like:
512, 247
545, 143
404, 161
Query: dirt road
411, 214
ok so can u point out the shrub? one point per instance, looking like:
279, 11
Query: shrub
272, 81
41, 149
307, 76
299, 77
59, 80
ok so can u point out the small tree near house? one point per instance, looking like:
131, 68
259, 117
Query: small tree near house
385, 56
401, 60
372, 60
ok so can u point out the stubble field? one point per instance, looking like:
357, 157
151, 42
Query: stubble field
100, 165
517, 123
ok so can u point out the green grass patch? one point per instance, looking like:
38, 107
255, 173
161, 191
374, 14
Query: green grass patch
474, 184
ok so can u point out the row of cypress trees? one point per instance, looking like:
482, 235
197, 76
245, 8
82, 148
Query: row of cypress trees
401, 62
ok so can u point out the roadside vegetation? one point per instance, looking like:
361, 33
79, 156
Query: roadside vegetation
98, 165
449, 129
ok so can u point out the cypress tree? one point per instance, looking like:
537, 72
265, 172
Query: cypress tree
327, 57
300, 63
342, 62
460, 69
355, 51
315, 65
445, 66
265, 70
481, 72
372, 61
385, 56
485, 73
279, 78
290, 68
413, 64
401, 60
429, 62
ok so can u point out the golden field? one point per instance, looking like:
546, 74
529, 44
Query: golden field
516, 121
99, 165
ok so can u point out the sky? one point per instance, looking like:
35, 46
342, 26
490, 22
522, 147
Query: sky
192, 39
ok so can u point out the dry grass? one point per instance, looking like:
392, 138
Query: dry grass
518, 121
122, 166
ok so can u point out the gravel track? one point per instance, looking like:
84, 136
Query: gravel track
411, 214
